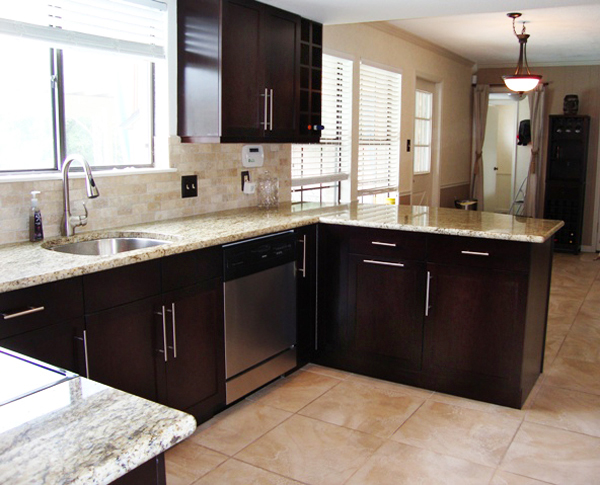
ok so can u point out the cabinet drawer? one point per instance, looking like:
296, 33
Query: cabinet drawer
191, 268
114, 287
39, 306
485, 253
387, 243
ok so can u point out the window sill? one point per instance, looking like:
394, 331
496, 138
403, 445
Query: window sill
56, 175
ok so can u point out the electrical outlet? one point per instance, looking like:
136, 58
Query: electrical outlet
245, 178
189, 186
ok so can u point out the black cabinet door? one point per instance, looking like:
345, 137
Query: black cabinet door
242, 71
281, 51
122, 347
306, 287
60, 344
475, 324
194, 375
386, 309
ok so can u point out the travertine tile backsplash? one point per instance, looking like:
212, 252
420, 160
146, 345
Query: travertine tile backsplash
130, 199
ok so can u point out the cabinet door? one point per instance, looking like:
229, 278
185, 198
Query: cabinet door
122, 347
57, 344
473, 331
195, 367
281, 53
306, 287
242, 74
386, 310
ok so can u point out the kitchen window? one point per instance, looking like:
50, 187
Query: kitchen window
320, 170
84, 77
379, 133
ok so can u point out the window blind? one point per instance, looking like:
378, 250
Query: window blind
329, 161
423, 131
136, 27
378, 130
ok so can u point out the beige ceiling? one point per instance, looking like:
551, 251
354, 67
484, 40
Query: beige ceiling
563, 32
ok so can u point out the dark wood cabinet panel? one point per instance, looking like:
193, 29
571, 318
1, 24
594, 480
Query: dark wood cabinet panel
306, 288
386, 310
122, 346
150, 473
193, 377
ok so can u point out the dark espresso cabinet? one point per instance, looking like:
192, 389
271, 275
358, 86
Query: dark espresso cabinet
306, 289
460, 315
568, 138
239, 72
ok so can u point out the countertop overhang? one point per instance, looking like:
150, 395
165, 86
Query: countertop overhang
29, 264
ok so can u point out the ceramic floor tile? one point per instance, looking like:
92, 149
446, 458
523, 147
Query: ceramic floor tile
594, 292
234, 472
397, 463
187, 462
478, 405
590, 308
564, 306
566, 409
238, 426
505, 478
364, 408
581, 347
554, 455
295, 391
311, 451
574, 374
472, 435
326, 371
391, 386
586, 326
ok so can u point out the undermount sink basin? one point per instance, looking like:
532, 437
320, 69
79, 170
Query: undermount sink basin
107, 246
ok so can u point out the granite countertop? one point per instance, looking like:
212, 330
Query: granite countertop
82, 432
29, 264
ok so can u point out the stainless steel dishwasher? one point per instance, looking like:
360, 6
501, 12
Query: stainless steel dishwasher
260, 311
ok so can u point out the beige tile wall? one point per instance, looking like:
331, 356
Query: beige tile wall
131, 199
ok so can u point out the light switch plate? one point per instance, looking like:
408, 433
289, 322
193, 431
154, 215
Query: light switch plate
189, 186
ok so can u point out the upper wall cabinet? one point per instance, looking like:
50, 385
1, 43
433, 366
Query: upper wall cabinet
239, 68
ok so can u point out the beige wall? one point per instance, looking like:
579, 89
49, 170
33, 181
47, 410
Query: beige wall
413, 58
130, 199
585, 82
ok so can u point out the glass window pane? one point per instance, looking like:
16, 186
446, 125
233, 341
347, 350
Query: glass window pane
422, 132
26, 134
108, 112
424, 102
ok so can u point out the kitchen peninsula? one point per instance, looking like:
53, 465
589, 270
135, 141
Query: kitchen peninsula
450, 300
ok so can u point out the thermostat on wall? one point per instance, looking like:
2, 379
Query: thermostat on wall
253, 156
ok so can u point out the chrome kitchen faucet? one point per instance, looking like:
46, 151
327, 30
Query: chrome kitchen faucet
70, 222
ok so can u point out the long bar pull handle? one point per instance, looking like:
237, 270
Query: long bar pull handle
379, 243
303, 269
164, 329
174, 330
266, 110
383, 263
85, 355
475, 253
22, 313
271, 122
427, 293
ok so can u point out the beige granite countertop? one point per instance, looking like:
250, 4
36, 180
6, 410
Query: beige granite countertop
83, 432
29, 264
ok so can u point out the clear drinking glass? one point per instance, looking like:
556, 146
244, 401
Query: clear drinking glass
268, 191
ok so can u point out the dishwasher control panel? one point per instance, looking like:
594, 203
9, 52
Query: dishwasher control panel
253, 255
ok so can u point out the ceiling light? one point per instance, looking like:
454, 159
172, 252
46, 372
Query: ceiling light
522, 80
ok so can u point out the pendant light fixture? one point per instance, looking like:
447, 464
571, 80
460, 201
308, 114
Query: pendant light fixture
522, 80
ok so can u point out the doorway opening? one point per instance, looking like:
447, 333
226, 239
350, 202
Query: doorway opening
505, 161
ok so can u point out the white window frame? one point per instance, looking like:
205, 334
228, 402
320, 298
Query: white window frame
327, 164
424, 169
378, 129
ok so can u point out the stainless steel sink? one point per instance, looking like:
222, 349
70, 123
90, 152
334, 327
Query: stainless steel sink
107, 246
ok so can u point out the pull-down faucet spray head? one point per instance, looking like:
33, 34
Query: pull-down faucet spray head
69, 221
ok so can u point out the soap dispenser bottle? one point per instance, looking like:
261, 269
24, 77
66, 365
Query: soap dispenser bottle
36, 229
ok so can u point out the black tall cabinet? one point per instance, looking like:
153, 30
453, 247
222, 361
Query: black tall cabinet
565, 178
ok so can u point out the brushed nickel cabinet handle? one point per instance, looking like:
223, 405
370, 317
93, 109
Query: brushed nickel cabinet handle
85, 355
303, 269
475, 253
379, 243
163, 313
174, 330
22, 313
427, 294
266, 112
271, 122
383, 263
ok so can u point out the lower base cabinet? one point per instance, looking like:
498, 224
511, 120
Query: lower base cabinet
150, 473
464, 316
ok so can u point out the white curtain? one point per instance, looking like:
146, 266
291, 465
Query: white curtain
537, 100
481, 95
